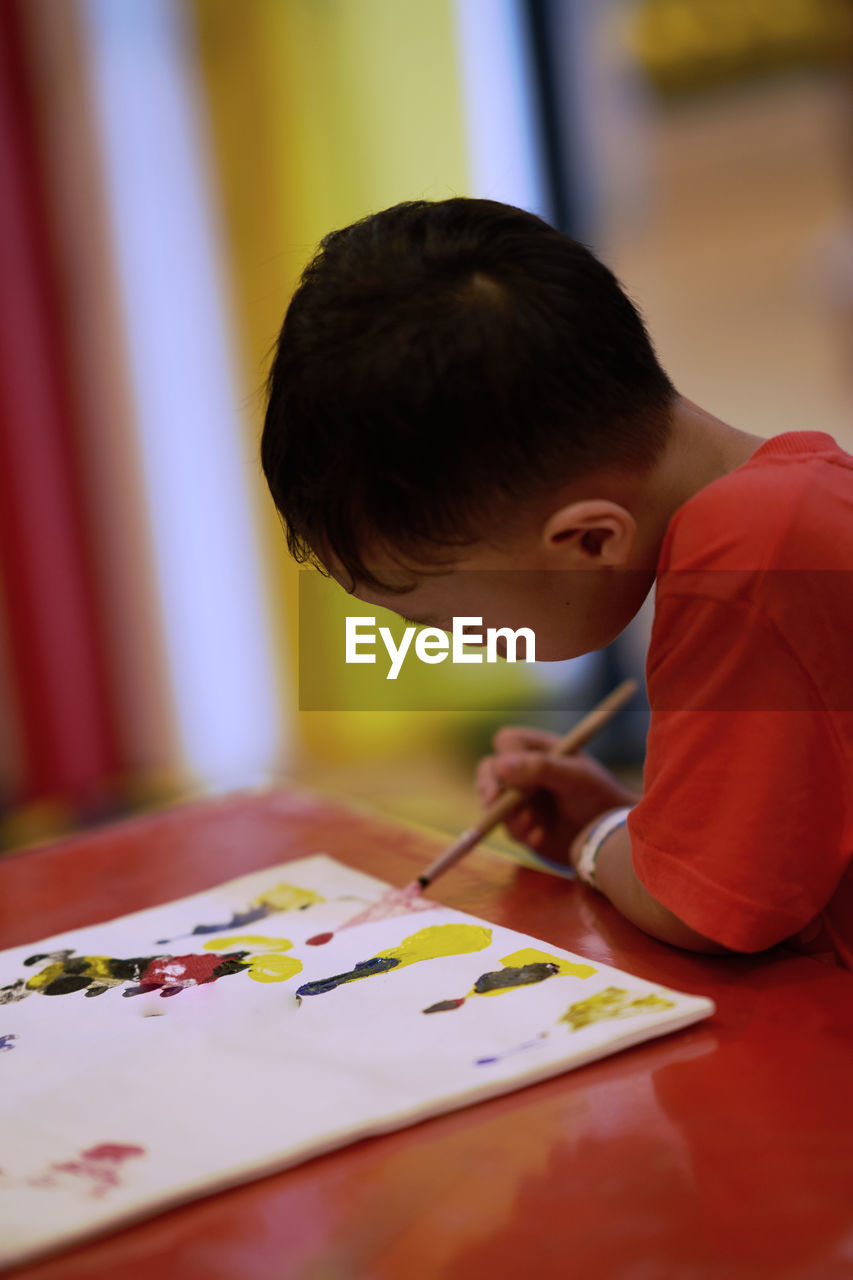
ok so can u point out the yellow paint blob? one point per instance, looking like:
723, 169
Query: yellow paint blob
47, 975
99, 967
530, 955
439, 940
287, 897
243, 940
268, 967
95, 967
274, 968
612, 1002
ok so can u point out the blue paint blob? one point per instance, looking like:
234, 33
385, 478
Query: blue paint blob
239, 920
528, 1044
364, 969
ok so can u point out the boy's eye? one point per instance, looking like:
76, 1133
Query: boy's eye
425, 622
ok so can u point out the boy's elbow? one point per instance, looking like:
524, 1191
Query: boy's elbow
669, 928
664, 925
617, 879
679, 934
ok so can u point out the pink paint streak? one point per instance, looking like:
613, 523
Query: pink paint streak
98, 1166
396, 902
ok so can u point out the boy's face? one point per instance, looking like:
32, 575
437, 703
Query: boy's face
572, 606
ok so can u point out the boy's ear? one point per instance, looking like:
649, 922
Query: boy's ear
594, 533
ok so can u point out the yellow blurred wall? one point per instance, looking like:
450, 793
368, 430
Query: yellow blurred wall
321, 113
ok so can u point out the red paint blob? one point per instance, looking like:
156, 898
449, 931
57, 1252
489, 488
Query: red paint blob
171, 971
319, 939
115, 1151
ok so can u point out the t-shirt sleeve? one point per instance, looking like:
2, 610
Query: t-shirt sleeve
740, 829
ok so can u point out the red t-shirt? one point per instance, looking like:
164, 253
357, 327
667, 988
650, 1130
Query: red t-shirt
745, 829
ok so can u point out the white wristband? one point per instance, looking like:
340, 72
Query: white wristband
586, 862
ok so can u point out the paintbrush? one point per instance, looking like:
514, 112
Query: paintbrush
496, 813
407, 900
404, 901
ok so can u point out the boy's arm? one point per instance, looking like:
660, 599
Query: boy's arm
616, 878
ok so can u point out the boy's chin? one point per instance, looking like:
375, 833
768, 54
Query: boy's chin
561, 648
562, 653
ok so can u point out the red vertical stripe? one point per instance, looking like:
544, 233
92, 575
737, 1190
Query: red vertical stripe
56, 648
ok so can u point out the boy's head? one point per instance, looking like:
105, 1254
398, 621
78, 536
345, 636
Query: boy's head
449, 376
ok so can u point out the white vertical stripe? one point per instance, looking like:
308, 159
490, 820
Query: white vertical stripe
196, 463
505, 160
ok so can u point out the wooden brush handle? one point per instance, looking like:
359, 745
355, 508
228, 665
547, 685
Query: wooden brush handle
578, 737
508, 800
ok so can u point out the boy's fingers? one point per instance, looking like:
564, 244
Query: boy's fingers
517, 823
521, 823
514, 738
494, 774
556, 773
486, 782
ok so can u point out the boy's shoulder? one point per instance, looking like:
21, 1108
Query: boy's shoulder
790, 505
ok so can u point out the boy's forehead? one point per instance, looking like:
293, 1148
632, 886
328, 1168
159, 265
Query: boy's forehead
410, 599
387, 574
429, 593
390, 572
404, 589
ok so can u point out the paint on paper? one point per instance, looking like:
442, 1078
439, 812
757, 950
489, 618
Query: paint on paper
65, 973
521, 969
612, 1002
97, 1169
222, 1086
269, 965
519, 1048
281, 897
427, 944
394, 902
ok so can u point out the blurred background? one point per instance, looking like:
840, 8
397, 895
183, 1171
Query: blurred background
167, 168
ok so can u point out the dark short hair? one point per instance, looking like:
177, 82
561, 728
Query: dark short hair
442, 363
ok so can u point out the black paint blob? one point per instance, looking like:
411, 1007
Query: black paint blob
443, 1005
499, 980
514, 976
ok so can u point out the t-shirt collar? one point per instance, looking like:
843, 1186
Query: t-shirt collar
793, 442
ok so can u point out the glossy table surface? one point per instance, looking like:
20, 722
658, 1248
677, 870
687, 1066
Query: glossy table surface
724, 1150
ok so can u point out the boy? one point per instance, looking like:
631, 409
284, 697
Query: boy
467, 417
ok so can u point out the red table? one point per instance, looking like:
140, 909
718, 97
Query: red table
725, 1150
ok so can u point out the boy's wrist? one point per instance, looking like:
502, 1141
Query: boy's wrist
587, 845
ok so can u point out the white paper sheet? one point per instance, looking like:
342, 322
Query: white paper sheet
119, 1104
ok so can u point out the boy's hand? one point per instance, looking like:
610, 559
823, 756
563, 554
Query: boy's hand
566, 792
